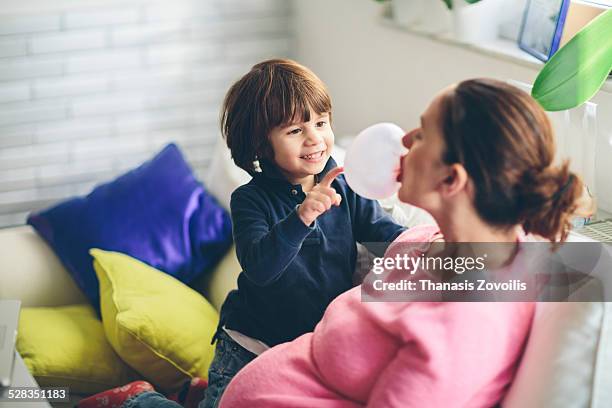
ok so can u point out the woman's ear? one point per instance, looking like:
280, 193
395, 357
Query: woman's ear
456, 181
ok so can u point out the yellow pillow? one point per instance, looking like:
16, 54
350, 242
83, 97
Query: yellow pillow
66, 347
159, 326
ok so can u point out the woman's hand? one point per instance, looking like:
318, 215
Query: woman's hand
320, 198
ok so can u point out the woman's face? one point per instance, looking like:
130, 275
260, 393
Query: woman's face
423, 171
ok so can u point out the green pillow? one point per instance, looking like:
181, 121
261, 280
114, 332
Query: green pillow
66, 347
158, 325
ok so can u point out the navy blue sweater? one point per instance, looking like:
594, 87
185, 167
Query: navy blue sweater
291, 271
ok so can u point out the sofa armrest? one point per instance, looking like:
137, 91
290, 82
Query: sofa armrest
216, 285
30, 271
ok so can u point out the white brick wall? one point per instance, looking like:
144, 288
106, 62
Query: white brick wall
29, 67
26, 24
101, 17
68, 41
13, 48
88, 92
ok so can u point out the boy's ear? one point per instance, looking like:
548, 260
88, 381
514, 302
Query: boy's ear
265, 151
457, 180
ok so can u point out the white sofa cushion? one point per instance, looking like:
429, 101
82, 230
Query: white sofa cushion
223, 176
31, 272
568, 358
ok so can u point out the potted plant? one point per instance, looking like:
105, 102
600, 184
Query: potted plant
471, 22
425, 15
407, 13
576, 72
474, 22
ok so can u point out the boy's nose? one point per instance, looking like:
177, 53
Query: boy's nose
312, 137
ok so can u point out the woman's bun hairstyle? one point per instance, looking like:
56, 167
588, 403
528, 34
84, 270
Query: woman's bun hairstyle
505, 141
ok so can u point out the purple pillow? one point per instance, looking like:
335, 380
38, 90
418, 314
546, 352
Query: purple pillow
158, 213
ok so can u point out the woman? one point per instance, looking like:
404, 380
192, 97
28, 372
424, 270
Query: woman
481, 164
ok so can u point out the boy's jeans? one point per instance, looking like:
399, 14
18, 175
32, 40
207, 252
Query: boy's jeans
230, 357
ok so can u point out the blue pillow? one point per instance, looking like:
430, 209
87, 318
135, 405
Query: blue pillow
158, 213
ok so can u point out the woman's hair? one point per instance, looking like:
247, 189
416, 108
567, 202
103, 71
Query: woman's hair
505, 141
273, 93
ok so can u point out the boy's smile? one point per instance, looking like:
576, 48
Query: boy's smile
301, 149
314, 157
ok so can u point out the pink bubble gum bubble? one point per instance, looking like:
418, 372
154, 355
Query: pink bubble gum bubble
373, 160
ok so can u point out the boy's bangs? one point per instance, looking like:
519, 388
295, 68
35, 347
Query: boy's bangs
296, 102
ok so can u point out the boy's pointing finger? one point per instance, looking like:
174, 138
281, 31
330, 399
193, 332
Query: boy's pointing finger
329, 177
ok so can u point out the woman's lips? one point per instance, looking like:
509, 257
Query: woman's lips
400, 171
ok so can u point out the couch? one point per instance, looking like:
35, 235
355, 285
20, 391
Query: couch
567, 361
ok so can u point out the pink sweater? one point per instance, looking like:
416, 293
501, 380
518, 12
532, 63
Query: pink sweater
411, 354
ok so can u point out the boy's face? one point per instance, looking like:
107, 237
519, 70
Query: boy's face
301, 149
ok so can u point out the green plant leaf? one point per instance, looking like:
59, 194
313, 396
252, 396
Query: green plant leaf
576, 72
449, 3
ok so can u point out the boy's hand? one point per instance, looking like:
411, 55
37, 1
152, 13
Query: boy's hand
320, 198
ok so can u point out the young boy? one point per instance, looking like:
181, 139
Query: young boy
295, 224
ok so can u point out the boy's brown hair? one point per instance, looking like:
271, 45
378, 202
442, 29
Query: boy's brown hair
273, 93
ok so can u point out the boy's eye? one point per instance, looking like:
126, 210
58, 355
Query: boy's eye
321, 123
294, 131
